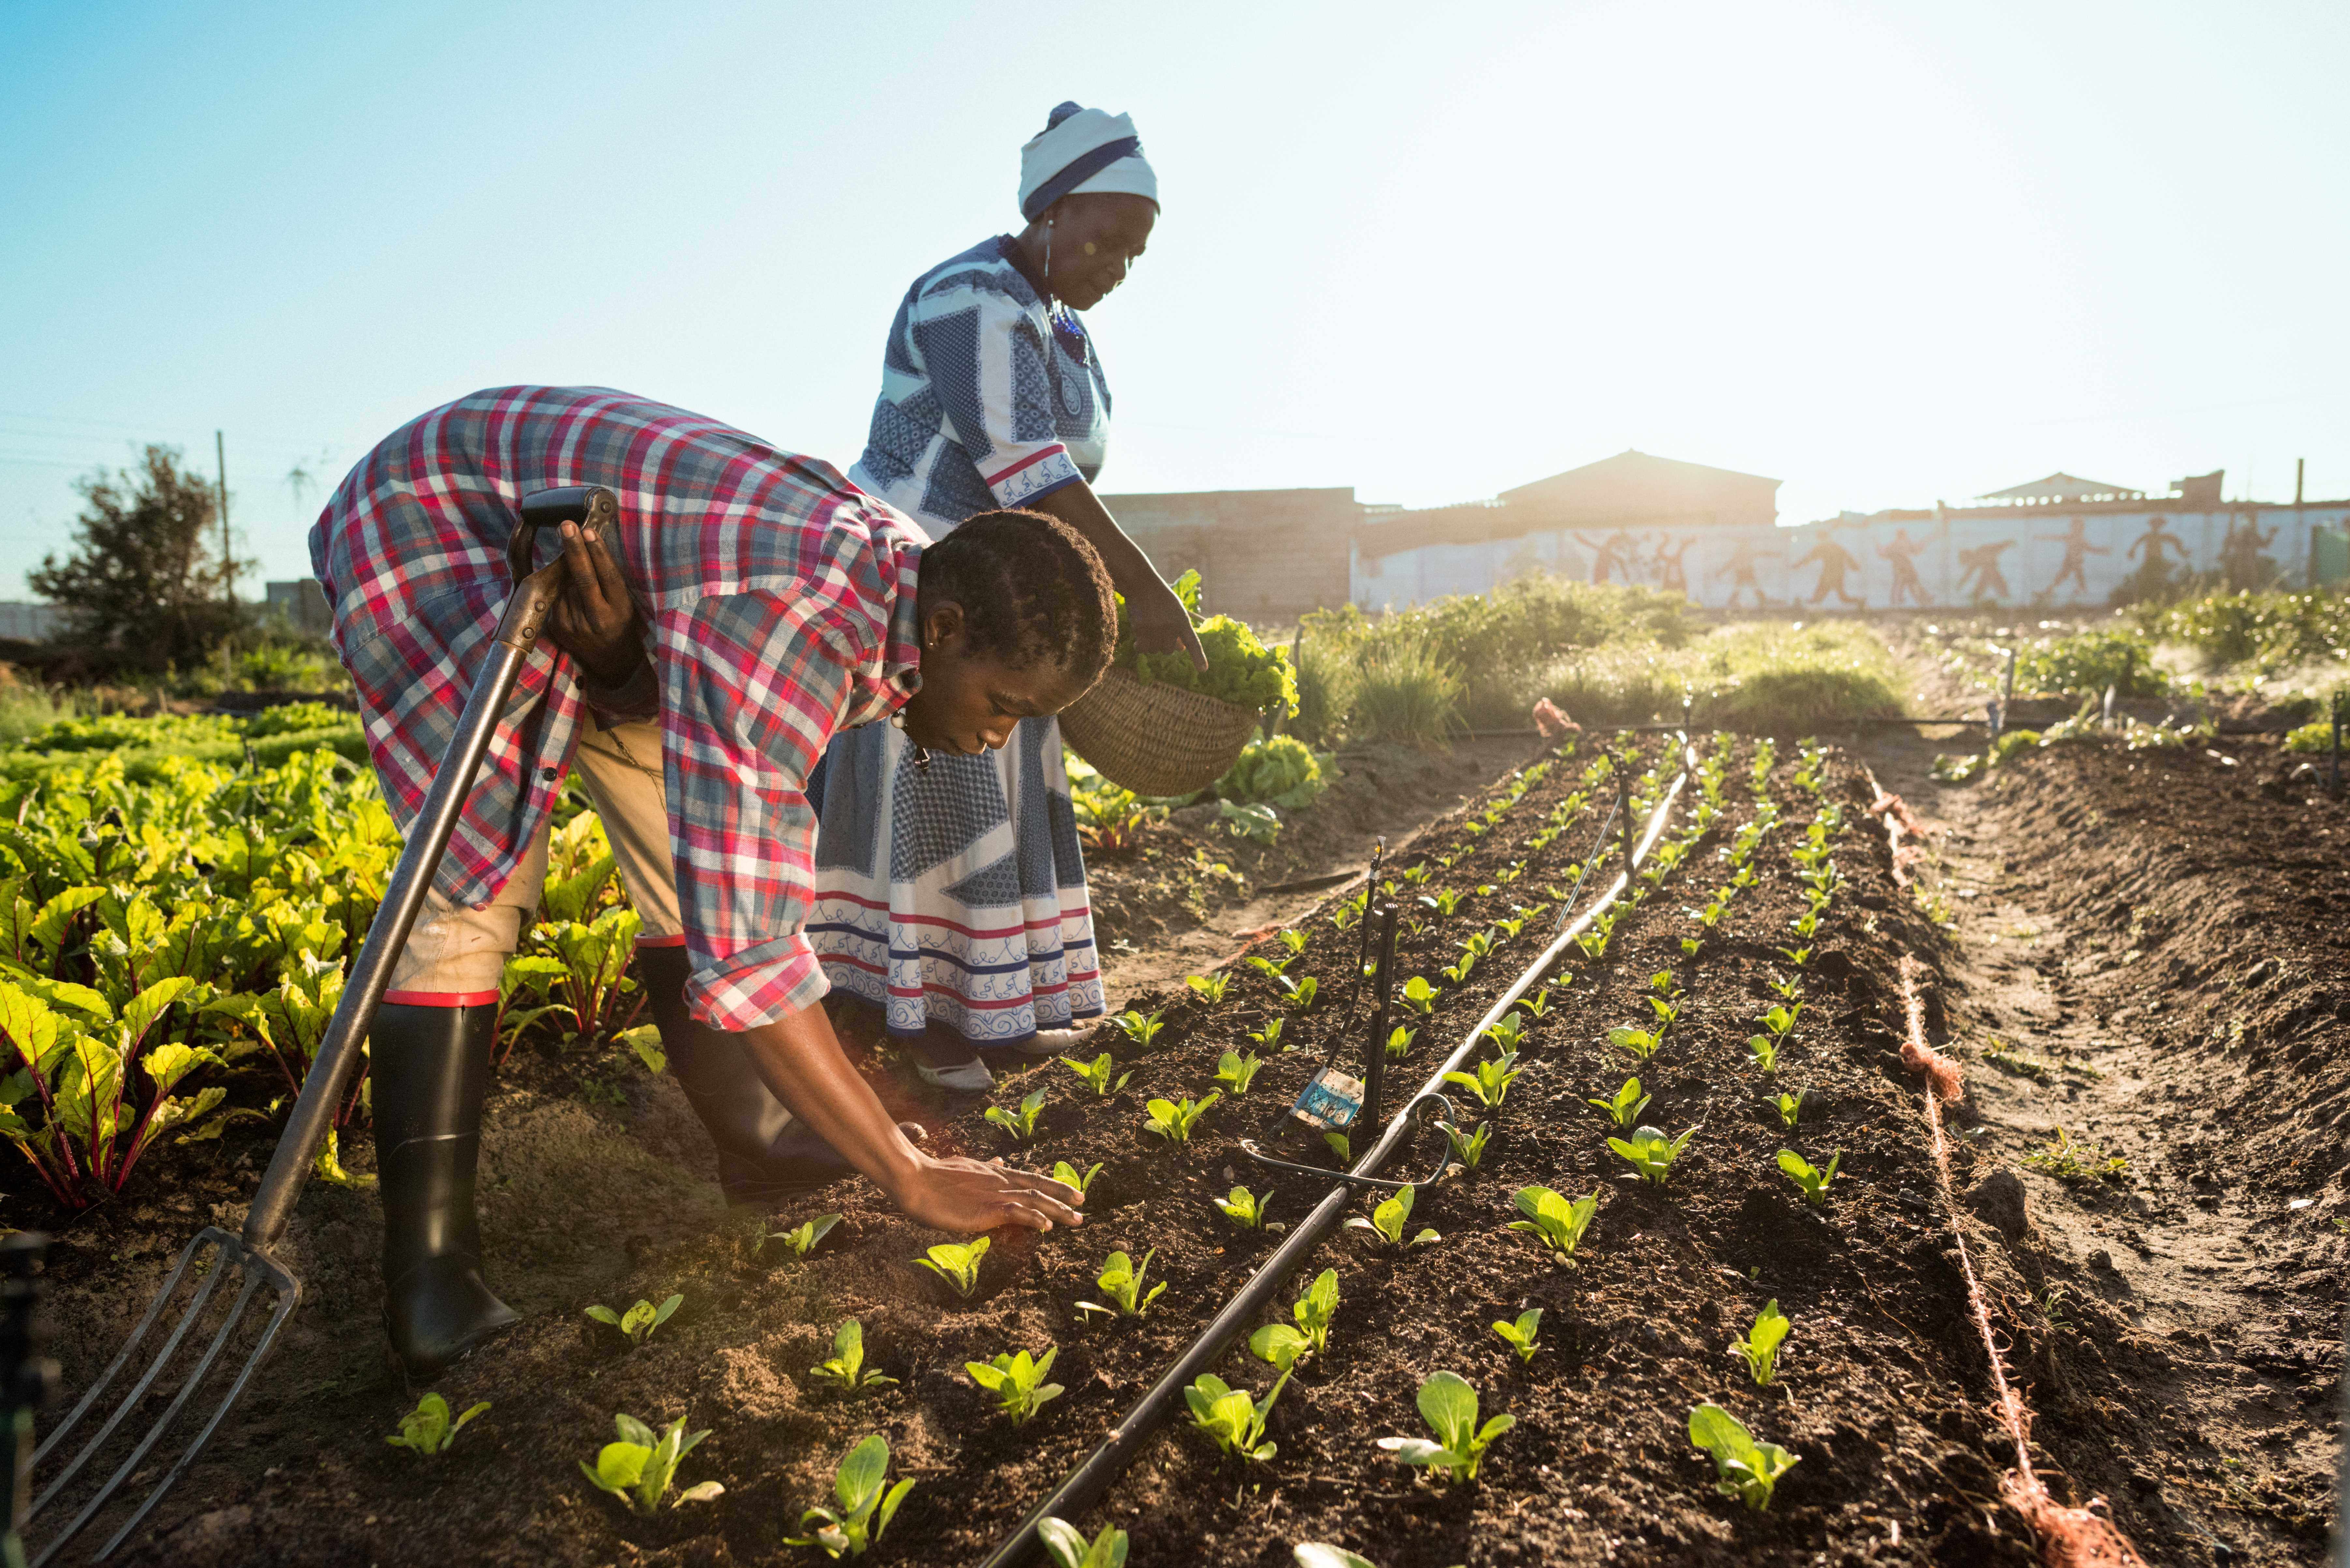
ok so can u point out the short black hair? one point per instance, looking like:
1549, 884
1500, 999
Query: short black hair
1031, 588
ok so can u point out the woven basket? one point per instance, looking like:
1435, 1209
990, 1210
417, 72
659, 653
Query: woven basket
1153, 737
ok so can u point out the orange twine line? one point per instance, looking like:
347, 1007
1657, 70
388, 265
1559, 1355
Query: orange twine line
2069, 1537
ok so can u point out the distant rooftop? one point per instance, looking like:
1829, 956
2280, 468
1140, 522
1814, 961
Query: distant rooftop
2061, 490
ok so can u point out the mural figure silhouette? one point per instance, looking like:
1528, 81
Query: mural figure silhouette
1615, 554
1901, 552
1740, 568
1981, 564
2077, 551
1835, 562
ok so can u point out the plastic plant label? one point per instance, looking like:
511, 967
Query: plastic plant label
1332, 1100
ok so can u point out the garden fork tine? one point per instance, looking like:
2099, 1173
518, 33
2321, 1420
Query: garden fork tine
249, 1254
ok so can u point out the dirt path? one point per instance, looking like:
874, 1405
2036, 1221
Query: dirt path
2108, 977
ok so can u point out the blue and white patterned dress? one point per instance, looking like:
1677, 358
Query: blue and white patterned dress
957, 898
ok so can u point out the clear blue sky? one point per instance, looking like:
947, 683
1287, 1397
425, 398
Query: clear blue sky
1887, 253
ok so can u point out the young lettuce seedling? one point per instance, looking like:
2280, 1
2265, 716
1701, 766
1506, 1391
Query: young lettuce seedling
1749, 1469
1651, 1153
1386, 1220
1642, 1044
1509, 1032
1295, 940
1419, 995
1790, 990
865, 1510
638, 1469
1399, 1041
1668, 1013
1553, 1219
1625, 1107
1341, 1145
1492, 1080
1270, 1035
1318, 1308
1069, 1548
845, 1367
957, 1264
1174, 1120
1141, 1028
1020, 1123
1691, 946
1512, 925
1246, 1209
1096, 1075
1271, 969
1121, 1280
1762, 1050
1539, 1004
1799, 957
1018, 1381
802, 1238
1237, 1072
1448, 1404
1468, 1147
640, 1321
1520, 1335
1063, 1172
1790, 1108
1229, 1416
427, 1431
1444, 903
1761, 1345
1300, 993
1812, 1179
1780, 1019
1209, 988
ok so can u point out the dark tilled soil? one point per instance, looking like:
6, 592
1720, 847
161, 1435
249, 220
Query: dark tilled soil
2149, 952
1881, 1388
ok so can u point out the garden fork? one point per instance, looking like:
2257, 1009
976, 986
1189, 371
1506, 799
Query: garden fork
217, 1254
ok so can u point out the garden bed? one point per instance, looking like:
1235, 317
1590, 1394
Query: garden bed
1879, 1388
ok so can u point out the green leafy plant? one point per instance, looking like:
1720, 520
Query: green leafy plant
1762, 1050
1316, 1308
1624, 1107
1749, 1470
1142, 1028
1096, 1075
1295, 939
1069, 1548
1491, 1084
957, 1263
2071, 1160
1812, 1179
1799, 957
1271, 969
1173, 1120
1468, 1147
428, 1429
1299, 994
1520, 1335
1270, 1035
1341, 1145
802, 1239
845, 1367
640, 1321
1386, 1220
1650, 1152
1444, 903
1790, 990
1780, 1019
1399, 1041
1642, 1044
1233, 1419
1210, 988
1419, 995
1539, 1004
1237, 1072
1021, 1124
1121, 1280
866, 1508
1448, 1404
1063, 1172
1246, 1209
1509, 1032
1018, 1381
1556, 1221
1761, 1345
639, 1468
1790, 1106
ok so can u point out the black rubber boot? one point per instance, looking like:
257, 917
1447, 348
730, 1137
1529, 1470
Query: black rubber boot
764, 1153
431, 1070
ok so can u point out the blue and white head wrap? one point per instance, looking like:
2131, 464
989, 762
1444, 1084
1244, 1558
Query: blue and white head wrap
1081, 150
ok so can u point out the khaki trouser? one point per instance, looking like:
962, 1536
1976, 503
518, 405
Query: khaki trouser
456, 954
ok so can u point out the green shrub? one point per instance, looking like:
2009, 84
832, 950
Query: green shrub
2088, 663
1407, 692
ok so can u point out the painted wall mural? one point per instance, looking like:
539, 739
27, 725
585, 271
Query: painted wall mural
2030, 557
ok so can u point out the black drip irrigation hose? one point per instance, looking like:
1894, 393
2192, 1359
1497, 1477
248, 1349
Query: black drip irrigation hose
1085, 1485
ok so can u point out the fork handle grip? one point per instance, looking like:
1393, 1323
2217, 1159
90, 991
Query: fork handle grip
412, 877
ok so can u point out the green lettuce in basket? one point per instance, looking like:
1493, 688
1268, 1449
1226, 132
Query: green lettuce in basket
1283, 771
1241, 670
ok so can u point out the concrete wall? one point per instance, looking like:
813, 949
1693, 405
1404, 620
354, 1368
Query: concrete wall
1265, 556
28, 621
2056, 558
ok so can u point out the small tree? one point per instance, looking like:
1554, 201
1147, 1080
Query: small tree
147, 577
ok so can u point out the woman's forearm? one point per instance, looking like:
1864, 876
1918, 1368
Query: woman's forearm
1080, 508
801, 1061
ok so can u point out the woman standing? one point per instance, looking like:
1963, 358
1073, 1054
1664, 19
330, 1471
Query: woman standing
956, 901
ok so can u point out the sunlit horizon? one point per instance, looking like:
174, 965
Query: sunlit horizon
1888, 258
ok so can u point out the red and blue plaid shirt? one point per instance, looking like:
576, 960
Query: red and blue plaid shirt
781, 601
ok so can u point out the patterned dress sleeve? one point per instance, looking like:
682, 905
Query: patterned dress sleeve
756, 690
985, 356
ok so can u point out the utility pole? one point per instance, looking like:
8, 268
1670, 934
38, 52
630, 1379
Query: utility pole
2300, 467
228, 559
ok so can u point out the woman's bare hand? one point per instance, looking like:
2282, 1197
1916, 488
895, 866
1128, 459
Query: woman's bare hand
1161, 623
966, 1195
594, 619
